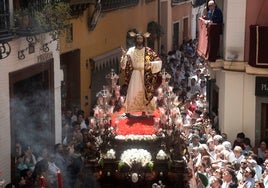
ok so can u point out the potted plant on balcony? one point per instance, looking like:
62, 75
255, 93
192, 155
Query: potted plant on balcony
22, 18
52, 17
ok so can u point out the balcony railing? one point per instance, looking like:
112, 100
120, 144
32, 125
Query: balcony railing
176, 2
108, 5
5, 32
209, 40
197, 3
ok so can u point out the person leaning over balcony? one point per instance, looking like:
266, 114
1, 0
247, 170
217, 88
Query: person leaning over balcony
214, 13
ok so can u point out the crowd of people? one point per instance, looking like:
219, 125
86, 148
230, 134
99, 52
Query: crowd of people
215, 161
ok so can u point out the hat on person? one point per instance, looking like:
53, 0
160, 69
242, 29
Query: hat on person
252, 162
210, 140
227, 145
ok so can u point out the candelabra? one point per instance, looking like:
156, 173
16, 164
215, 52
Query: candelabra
169, 112
165, 79
104, 109
112, 79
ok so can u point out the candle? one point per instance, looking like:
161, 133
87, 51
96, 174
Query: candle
42, 182
92, 122
59, 179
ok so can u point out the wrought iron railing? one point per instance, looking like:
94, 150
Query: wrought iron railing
175, 2
108, 5
5, 32
4, 20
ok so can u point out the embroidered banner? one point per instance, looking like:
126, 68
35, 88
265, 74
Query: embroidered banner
258, 56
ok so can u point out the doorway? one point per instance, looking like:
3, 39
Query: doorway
264, 121
31, 109
185, 29
261, 119
176, 31
71, 84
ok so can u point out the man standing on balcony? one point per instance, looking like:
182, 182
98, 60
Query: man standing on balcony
214, 14
142, 68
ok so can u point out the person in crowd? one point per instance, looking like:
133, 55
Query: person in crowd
260, 150
215, 182
211, 148
217, 139
27, 177
238, 151
75, 135
81, 120
61, 161
247, 145
249, 180
224, 137
257, 169
21, 164
229, 178
142, 71
259, 184
43, 154
228, 147
241, 171
75, 166
29, 157
53, 169
40, 172
239, 140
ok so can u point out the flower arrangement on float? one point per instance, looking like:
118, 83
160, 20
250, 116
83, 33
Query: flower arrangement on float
132, 137
136, 156
110, 154
161, 155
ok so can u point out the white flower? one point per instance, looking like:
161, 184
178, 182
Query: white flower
161, 155
110, 154
136, 155
133, 137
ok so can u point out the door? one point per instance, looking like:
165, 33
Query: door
71, 85
185, 29
32, 109
264, 121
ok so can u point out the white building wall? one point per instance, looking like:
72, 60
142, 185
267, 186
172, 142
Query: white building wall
234, 29
249, 106
237, 103
10, 64
231, 94
196, 12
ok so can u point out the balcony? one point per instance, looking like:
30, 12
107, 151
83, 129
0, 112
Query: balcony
5, 31
209, 40
176, 2
108, 5
36, 17
197, 3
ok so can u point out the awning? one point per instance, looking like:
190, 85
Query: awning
80, 2
106, 59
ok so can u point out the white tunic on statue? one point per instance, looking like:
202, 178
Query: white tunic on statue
135, 99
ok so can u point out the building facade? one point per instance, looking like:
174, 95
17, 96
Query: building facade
238, 90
